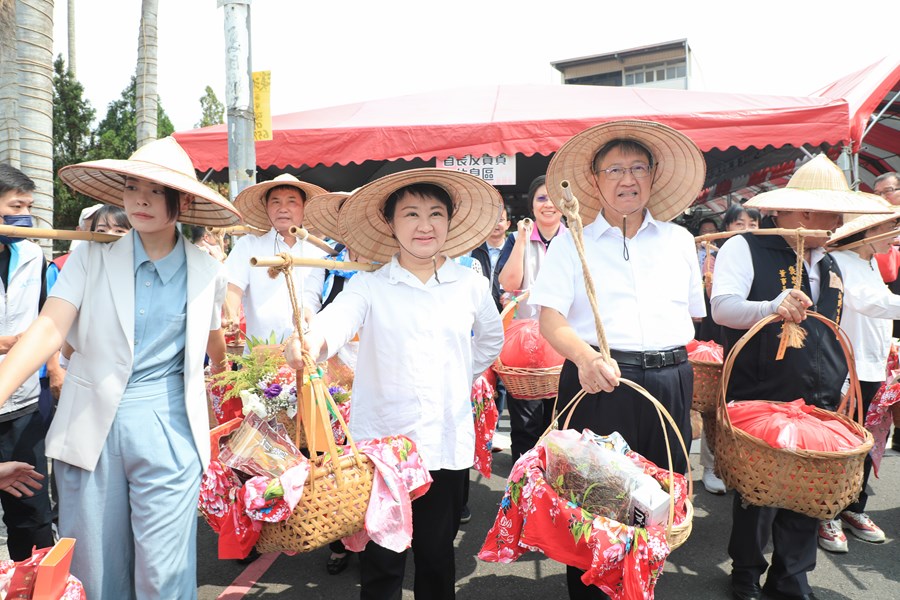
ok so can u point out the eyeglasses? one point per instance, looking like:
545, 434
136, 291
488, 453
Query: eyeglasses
637, 171
887, 191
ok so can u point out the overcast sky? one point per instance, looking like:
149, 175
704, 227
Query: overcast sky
329, 52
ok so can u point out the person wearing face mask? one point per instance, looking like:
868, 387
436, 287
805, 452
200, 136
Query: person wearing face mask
755, 277
22, 294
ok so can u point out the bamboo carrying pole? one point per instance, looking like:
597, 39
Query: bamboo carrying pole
777, 231
299, 261
305, 235
236, 230
56, 234
871, 240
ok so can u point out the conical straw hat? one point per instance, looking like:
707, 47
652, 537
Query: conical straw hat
161, 161
476, 209
251, 202
854, 224
321, 213
819, 186
678, 173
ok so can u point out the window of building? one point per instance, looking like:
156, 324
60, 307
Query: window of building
655, 72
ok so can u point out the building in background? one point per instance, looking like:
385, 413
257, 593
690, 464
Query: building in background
666, 65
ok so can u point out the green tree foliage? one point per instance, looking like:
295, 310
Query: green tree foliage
213, 110
116, 135
72, 117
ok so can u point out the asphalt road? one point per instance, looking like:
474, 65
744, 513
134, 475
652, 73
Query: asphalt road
697, 571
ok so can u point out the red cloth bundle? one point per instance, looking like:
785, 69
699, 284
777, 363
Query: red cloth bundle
792, 425
705, 351
525, 348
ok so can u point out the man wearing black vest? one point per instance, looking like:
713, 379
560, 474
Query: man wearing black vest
754, 277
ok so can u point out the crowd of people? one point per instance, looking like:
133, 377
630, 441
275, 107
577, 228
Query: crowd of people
104, 351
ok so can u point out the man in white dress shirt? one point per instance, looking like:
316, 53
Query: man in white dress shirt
637, 175
274, 207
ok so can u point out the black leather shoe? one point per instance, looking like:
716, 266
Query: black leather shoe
337, 565
749, 591
774, 594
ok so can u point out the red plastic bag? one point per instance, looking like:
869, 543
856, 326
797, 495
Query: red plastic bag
705, 351
792, 425
525, 348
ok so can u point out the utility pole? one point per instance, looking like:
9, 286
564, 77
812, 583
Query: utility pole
239, 96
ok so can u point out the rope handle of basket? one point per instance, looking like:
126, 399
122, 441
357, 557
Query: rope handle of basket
570, 209
664, 417
321, 399
792, 334
851, 403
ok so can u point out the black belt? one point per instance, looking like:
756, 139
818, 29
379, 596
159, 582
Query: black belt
652, 359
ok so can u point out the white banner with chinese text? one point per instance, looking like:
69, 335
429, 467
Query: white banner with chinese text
496, 170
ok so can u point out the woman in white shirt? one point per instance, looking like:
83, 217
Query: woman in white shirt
427, 328
869, 307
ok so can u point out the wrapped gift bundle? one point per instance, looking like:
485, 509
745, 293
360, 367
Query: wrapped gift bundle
625, 561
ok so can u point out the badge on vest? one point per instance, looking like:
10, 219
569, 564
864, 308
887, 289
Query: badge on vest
836, 282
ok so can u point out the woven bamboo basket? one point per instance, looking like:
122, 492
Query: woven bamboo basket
336, 495
707, 377
817, 484
676, 534
525, 384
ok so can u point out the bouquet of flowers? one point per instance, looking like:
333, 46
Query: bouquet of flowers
263, 384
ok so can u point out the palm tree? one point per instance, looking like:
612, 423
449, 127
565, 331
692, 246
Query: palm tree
9, 125
34, 57
146, 100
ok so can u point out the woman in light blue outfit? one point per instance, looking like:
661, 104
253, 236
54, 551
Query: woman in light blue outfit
130, 437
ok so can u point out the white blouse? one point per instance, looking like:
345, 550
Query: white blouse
421, 346
869, 307
646, 302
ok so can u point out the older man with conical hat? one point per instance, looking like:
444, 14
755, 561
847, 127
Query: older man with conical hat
630, 178
755, 277
272, 207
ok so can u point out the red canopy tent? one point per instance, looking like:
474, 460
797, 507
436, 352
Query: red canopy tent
744, 137
873, 98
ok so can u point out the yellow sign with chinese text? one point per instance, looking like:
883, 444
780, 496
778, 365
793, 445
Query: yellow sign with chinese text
262, 85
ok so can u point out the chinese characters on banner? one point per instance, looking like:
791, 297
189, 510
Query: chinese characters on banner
262, 84
496, 170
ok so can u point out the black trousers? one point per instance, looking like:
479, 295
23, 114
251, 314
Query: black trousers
632, 415
868, 389
794, 541
28, 519
528, 419
635, 418
435, 524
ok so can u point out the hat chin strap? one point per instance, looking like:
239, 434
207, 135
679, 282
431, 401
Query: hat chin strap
433, 257
625, 254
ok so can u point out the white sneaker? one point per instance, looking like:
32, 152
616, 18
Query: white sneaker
713, 484
862, 527
831, 536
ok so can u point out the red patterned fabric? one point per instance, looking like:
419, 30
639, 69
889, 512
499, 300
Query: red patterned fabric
486, 416
625, 562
